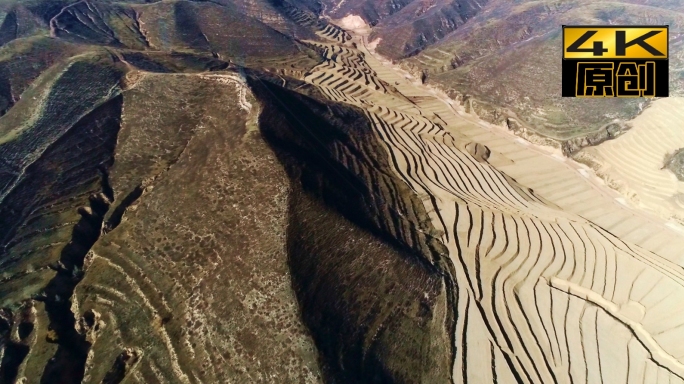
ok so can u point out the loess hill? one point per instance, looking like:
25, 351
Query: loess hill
168, 213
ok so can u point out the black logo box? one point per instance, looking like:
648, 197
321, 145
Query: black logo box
662, 77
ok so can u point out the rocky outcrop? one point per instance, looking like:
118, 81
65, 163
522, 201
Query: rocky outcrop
16, 334
607, 132
503, 116
675, 163
123, 365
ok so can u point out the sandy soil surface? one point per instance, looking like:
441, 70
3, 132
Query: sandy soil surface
355, 24
633, 162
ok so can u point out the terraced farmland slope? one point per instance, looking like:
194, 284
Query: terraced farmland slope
239, 191
555, 279
635, 163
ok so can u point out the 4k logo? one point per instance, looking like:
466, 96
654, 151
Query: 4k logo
615, 61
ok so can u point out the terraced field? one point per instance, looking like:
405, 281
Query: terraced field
555, 278
635, 162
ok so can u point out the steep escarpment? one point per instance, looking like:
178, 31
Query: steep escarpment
367, 268
377, 313
350, 149
16, 335
607, 132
